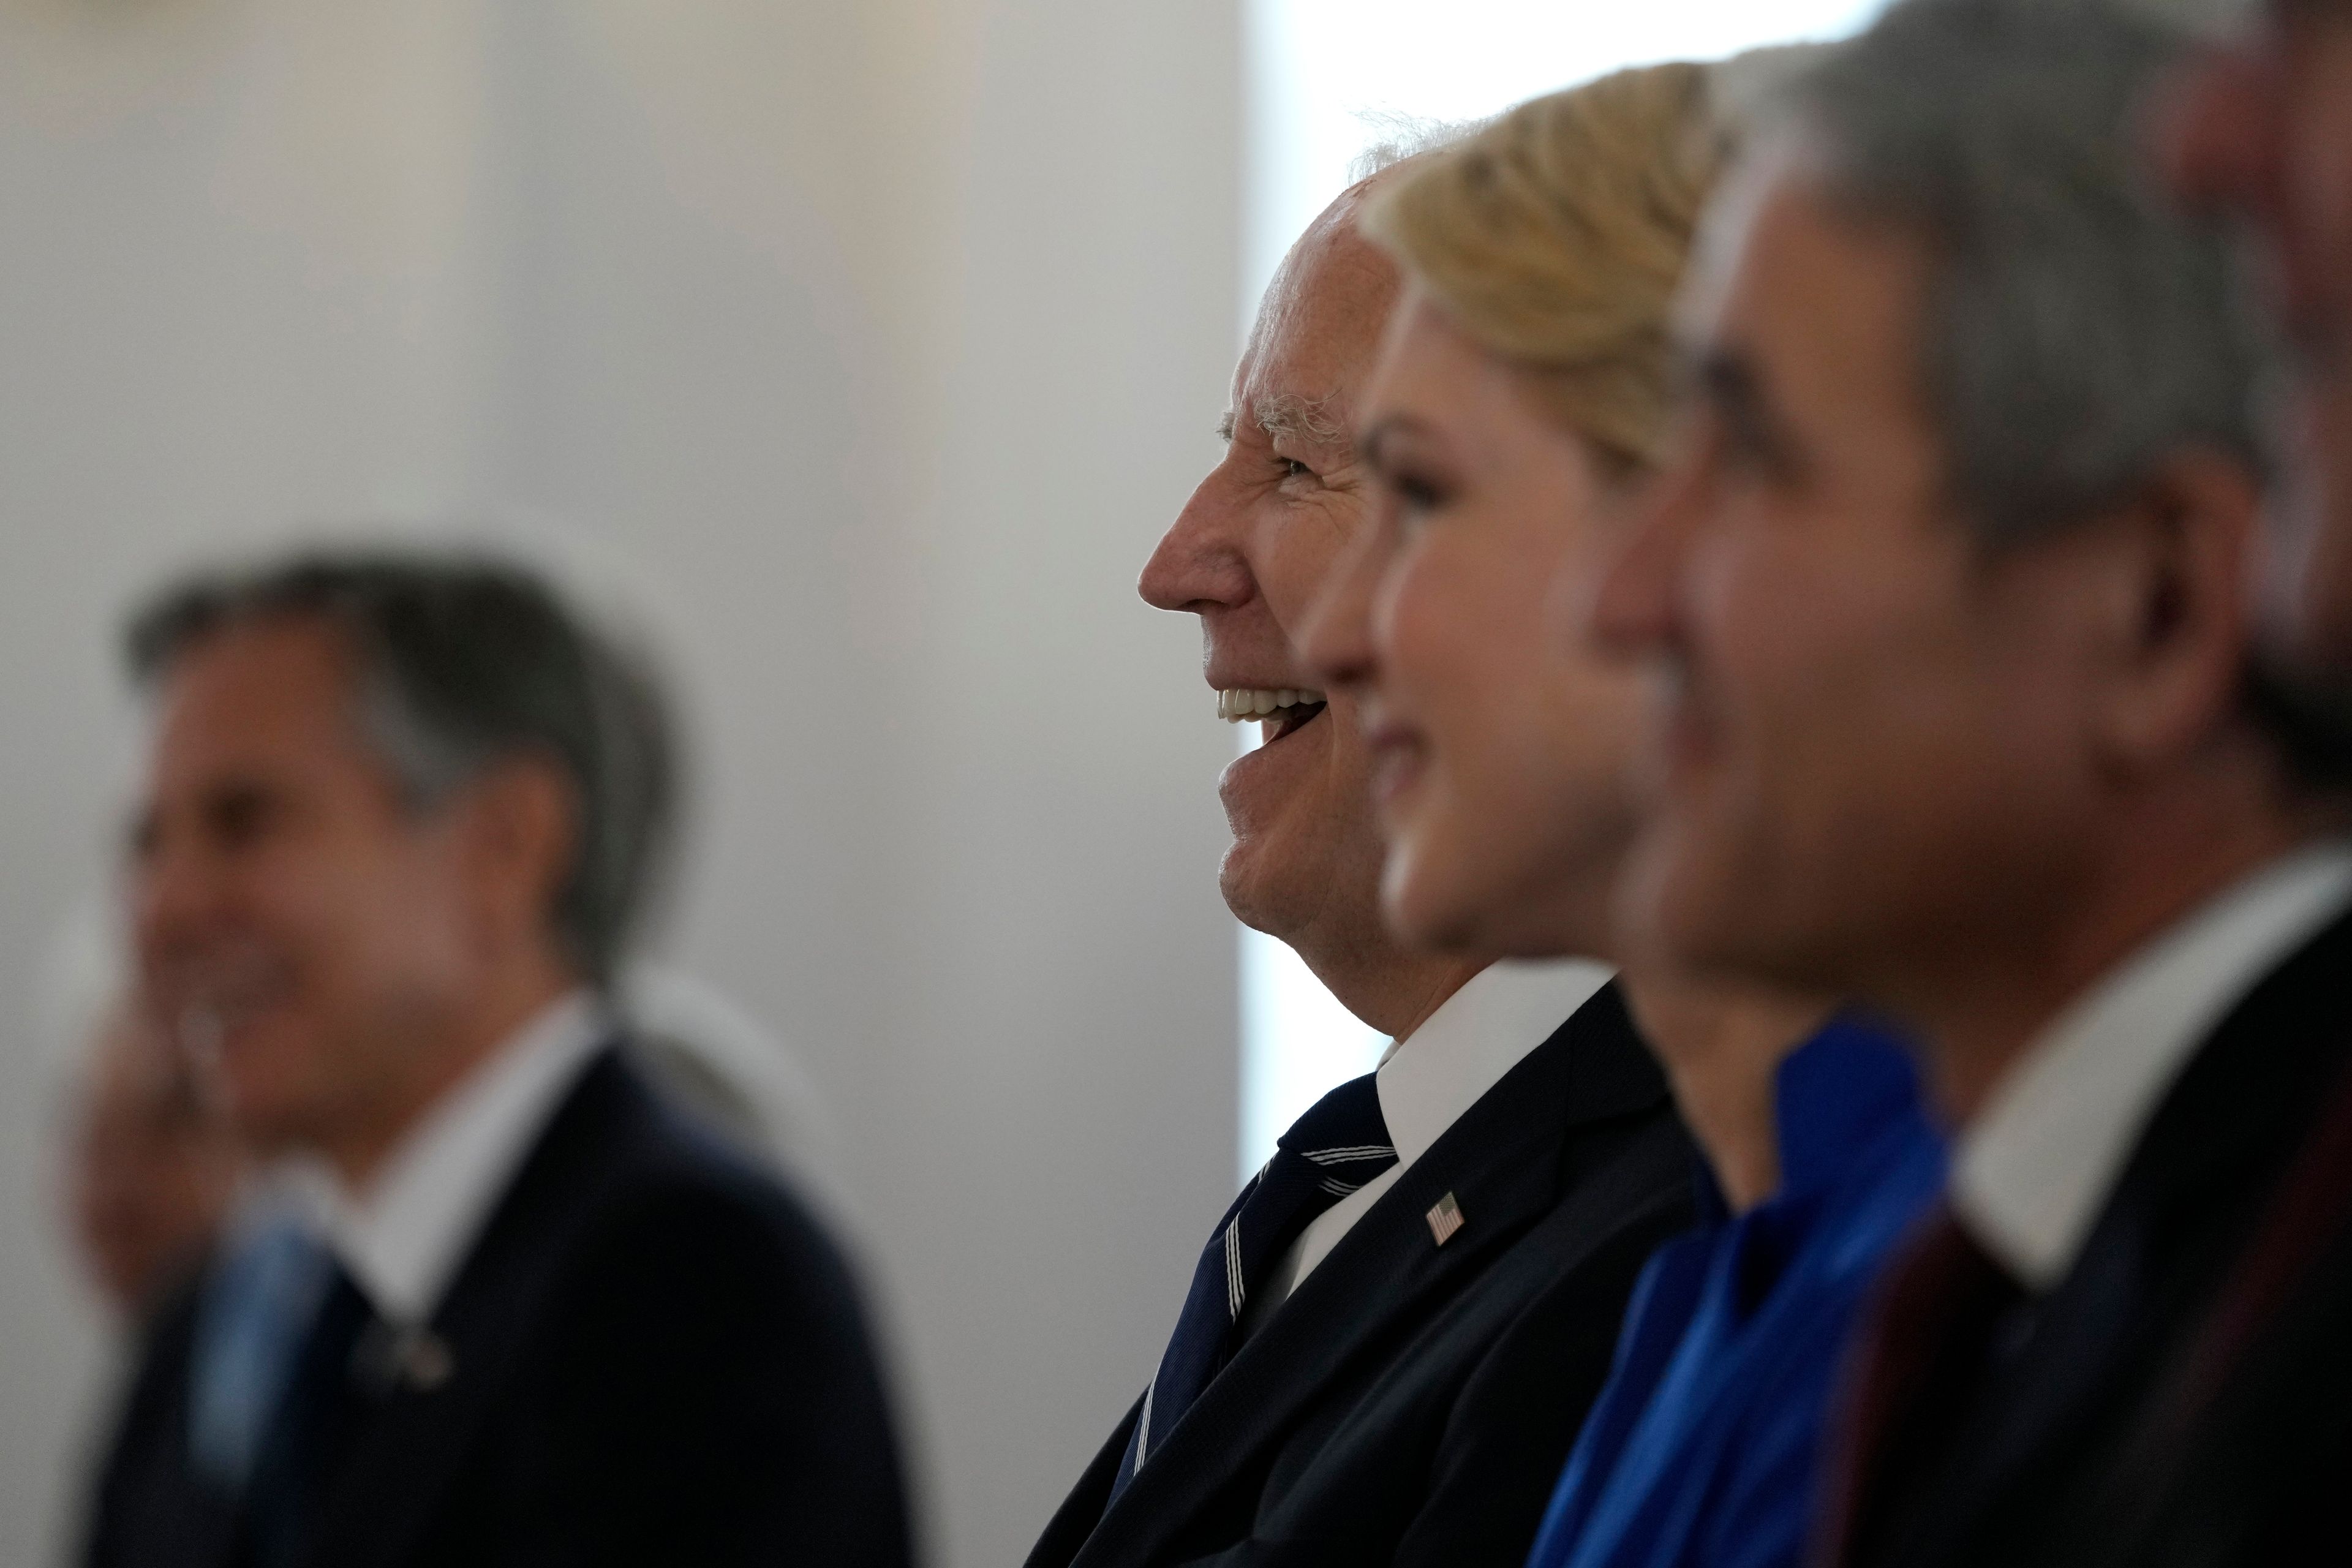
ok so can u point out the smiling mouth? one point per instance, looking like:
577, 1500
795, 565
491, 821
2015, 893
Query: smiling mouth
1283, 712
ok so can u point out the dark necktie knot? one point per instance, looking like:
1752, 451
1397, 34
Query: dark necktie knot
1945, 1317
1339, 1145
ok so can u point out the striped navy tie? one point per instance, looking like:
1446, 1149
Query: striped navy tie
1337, 1146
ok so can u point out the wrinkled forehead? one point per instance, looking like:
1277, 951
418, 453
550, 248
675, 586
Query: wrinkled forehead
1318, 329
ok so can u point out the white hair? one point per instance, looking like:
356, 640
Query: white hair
1743, 90
1397, 137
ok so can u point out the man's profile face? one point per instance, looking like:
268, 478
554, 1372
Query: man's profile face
1864, 736
300, 927
2266, 129
1249, 555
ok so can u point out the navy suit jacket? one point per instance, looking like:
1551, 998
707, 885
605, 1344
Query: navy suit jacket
1411, 1403
656, 1356
2077, 1446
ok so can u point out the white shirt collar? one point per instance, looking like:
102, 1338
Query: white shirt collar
1428, 1079
2031, 1172
404, 1238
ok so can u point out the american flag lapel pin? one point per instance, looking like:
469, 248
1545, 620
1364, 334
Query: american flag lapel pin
425, 1360
1444, 1218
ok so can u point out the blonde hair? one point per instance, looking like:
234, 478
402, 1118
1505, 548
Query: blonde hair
1556, 236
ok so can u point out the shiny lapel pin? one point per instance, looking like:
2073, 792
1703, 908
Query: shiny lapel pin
423, 1359
1444, 1218
389, 1358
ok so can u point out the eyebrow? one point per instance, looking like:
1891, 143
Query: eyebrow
1287, 416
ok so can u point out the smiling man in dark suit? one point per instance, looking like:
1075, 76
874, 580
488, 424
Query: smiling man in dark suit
499, 1303
1392, 1338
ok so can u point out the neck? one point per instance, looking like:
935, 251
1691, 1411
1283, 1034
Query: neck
430, 1067
1391, 989
1721, 1048
1982, 1015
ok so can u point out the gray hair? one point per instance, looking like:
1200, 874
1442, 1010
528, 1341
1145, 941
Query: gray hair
466, 662
2077, 328
1398, 138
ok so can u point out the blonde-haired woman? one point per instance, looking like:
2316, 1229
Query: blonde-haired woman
1525, 392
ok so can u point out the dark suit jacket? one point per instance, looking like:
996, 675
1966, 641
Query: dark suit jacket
656, 1357
2049, 1463
1414, 1402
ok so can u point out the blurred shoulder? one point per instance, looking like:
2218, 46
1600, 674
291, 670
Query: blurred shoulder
669, 1187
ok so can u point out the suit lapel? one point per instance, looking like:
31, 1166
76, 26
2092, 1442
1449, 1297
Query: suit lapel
2179, 1210
415, 1443
1502, 1161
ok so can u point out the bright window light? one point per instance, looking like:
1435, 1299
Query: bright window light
1322, 77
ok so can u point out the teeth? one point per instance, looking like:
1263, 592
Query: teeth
1237, 705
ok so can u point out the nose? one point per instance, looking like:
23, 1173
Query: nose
2216, 129
1337, 639
1199, 564
169, 895
1627, 608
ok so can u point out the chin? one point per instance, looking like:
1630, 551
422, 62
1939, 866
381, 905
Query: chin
263, 1098
1237, 886
1254, 890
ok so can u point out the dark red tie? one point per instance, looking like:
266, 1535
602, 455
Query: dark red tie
1923, 1350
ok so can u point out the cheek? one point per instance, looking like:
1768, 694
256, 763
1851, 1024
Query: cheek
386, 920
1828, 695
1755, 658
1455, 622
2319, 171
1292, 559
2310, 224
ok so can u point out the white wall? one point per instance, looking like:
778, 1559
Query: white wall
865, 345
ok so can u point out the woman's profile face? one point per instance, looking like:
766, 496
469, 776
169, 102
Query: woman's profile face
1500, 740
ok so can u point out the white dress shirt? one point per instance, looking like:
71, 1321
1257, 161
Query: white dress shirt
2033, 1170
404, 1238
1429, 1078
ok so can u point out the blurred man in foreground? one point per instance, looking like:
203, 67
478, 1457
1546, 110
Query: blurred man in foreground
1392, 1335
400, 817
1949, 584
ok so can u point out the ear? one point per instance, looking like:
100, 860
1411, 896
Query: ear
2178, 611
521, 836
